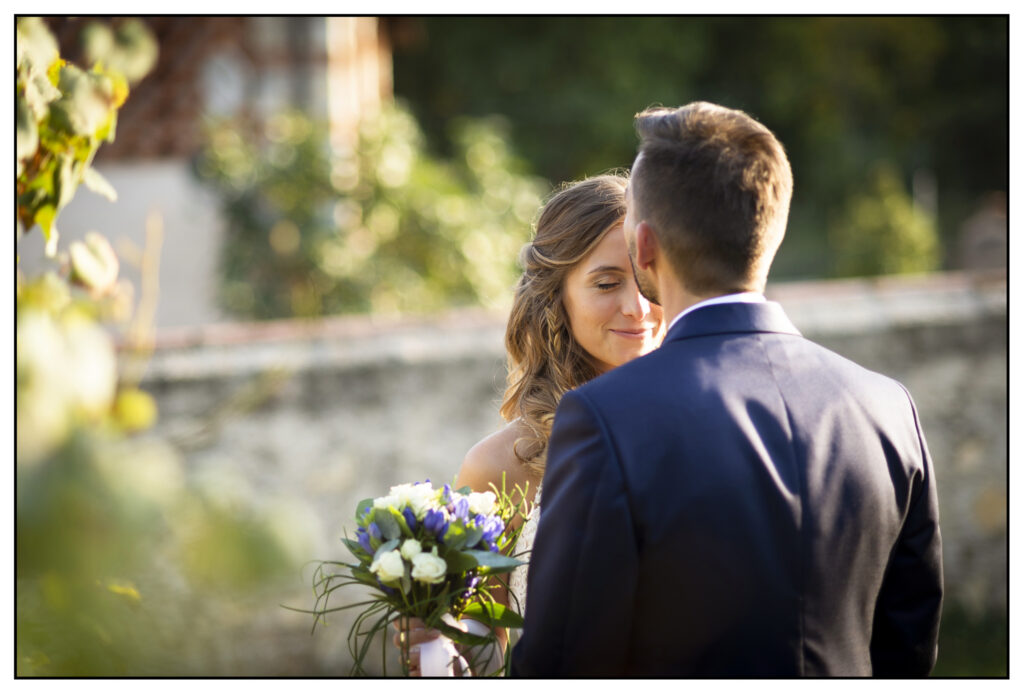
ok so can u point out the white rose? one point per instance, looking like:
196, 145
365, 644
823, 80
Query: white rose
419, 497
482, 502
429, 568
389, 566
385, 501
410, 548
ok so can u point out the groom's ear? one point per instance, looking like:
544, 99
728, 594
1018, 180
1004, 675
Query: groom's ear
647, 248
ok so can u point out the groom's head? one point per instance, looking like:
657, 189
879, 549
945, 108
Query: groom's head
714, 186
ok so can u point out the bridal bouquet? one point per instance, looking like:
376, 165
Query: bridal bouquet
425, 552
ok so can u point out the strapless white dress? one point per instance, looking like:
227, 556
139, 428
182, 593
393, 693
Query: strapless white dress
524, 546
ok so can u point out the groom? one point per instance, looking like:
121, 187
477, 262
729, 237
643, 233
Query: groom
741, 501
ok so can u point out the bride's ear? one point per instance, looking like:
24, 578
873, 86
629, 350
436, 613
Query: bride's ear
647, 248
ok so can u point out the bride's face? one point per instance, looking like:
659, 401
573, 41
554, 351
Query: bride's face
607, 315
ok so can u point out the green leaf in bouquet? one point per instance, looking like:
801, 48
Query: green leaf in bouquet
493, 614
494, 562
362, 508
403, 526
364, 576
465, 491
357, 549
386, 547
387, 524
473, 536
455, 538
458, 562
463, 637
406, 581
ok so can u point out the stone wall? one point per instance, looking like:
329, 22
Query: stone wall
308, 418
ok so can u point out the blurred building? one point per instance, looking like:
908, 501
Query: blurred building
335, 68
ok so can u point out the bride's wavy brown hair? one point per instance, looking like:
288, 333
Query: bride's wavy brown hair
544, 359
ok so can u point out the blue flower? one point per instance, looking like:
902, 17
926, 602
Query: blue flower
410, 518
460, 509
374, 531
363, 538
492, 527
435, 522
446, 494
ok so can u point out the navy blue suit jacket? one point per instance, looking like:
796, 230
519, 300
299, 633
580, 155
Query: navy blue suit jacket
739, 502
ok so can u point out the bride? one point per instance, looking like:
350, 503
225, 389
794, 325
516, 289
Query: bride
577, 313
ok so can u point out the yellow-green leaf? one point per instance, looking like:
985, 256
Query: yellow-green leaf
45, 217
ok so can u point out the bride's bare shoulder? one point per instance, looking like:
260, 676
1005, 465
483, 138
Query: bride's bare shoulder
492, 457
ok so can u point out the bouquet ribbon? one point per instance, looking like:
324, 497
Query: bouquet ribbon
439, 656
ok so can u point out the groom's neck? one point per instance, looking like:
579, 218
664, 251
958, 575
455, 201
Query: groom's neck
676, 298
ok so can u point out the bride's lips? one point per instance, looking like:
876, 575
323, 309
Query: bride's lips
637, 334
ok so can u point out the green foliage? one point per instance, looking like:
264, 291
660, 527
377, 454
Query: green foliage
883, 232
840, 92
64, 114
115, 546
381, 227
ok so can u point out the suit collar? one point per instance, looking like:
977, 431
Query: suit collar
767, 317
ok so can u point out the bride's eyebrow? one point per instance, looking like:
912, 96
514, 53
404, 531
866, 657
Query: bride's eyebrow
605, 268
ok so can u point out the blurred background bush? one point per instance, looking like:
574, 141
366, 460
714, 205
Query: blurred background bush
923, 97
383, 227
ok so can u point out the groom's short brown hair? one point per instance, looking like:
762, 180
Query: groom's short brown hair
715, 185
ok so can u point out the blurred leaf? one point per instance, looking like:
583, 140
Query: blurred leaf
130, 49
84, 105
94, 264
95, 182
36, 46
44, 218
64, 181
27, 138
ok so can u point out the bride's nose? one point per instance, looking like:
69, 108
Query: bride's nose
635, 305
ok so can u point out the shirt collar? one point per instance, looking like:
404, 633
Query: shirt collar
740, 298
